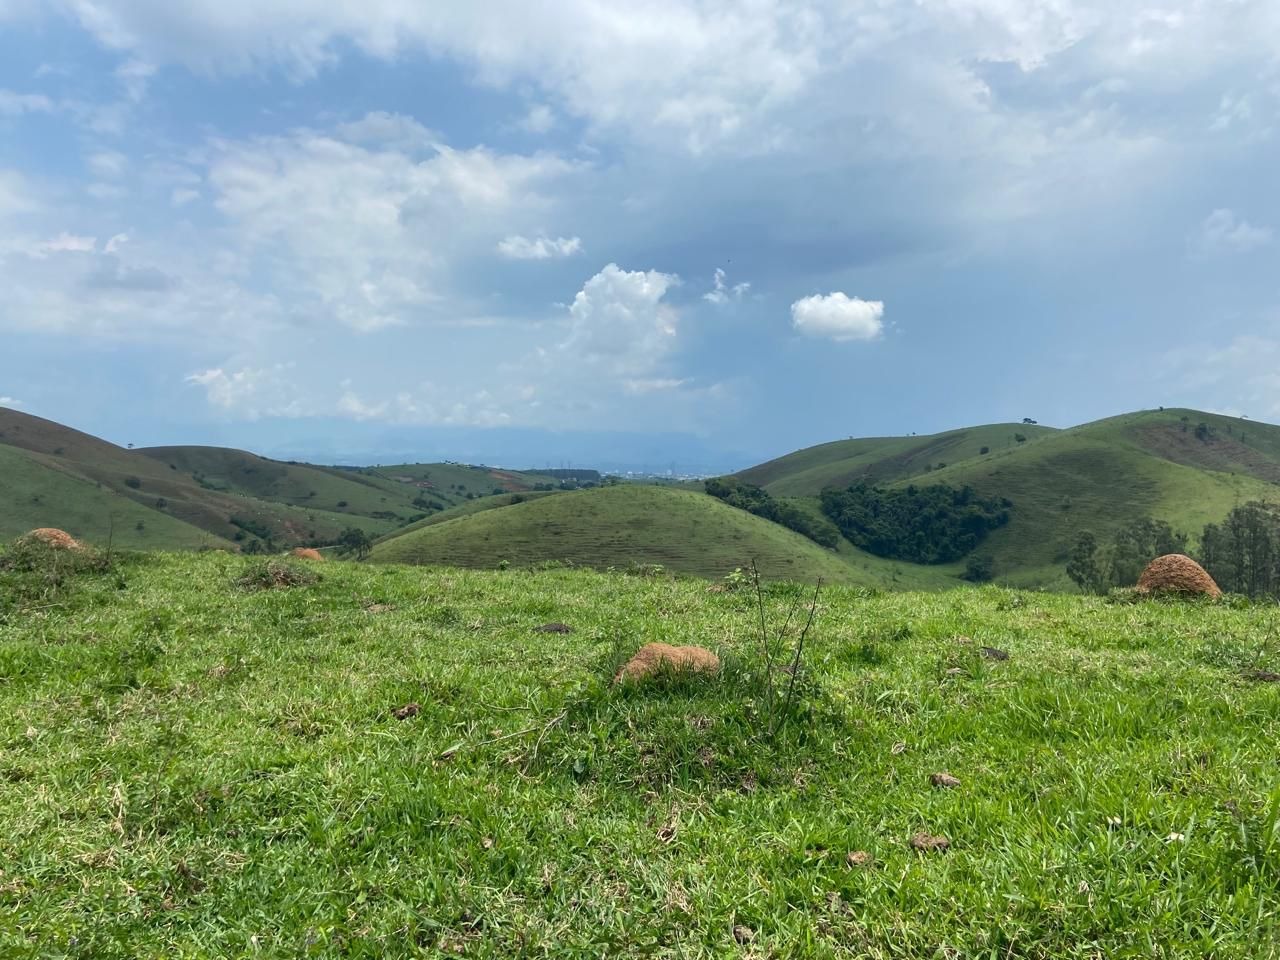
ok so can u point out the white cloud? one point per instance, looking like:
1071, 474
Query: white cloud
838, 317
10, 402
252, 393
116, 242
16, 104
350, 405
108, 163
722, 293
540, 119
135, 75
65, 243
181, 196
641, 386
540, 248
364, 233
1222, 233
618, 319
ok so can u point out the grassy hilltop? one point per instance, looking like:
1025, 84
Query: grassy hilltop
195, 768
187, 497
1183, 466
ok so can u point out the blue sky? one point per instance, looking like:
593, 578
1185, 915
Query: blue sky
691, 231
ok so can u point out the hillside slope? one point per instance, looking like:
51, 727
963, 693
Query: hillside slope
162, 490
36, 494
808, 472
620, 526
1186, 467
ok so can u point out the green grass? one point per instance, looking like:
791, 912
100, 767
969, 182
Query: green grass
300, 485
1094, 477
808, 472
469, 507
193, 769
619, 527
38, 495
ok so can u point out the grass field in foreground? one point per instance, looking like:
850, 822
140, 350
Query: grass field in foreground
192, 769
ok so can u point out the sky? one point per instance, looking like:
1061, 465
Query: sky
685, 234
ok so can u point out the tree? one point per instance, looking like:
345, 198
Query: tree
1243, 552
354, 540
1083, 567
1136, 544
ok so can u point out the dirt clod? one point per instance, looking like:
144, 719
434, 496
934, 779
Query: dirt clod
553, 628
928, 843
379, 608
654, 657
944, 779
995, 653
859, 858
1179, 574
743, 934
307, 553
408, 710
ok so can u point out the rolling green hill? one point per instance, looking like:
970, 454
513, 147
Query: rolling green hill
808, 472
1183, 466
621, 526
38, 495
180, 497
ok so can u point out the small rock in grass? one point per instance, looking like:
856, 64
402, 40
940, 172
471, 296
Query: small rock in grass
554, 628
654, 657
743, 934
955, 672
407, 711
379, 608
995, 653
1262, 676
859, 858
944, 779
928, 843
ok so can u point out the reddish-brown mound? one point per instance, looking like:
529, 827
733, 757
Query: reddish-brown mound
307, 553
650, 659
1175, 573
53, 537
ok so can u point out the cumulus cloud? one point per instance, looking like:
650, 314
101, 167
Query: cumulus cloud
722, 293
351, 405
619, 319
539, 248
839, 317
252, 393
1222, 232
363, 233
10, 402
